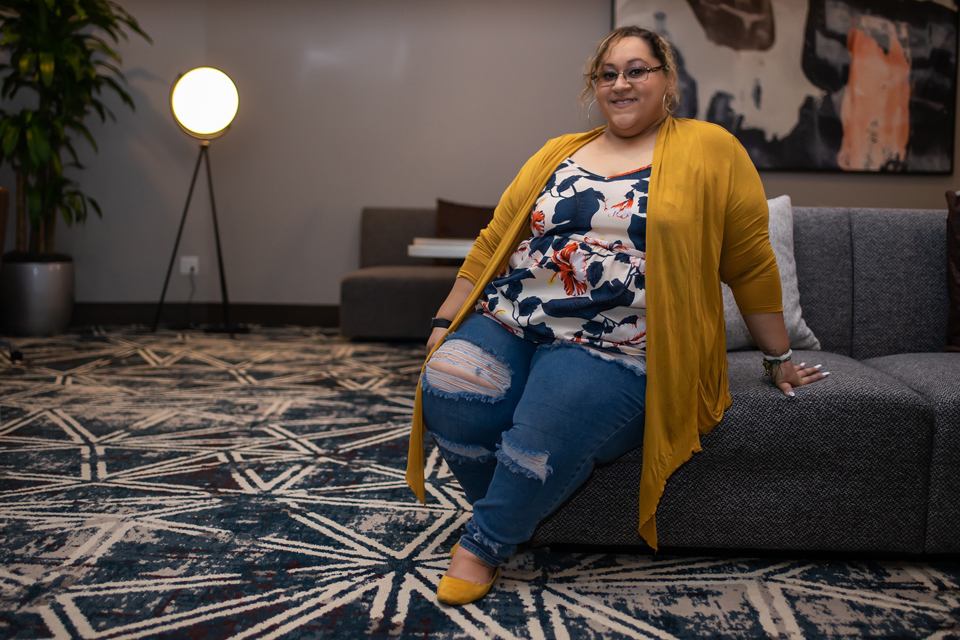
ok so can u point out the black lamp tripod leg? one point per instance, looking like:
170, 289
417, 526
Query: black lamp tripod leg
173, 256
216, 234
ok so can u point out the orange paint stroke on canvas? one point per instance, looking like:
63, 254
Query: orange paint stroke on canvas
875, 110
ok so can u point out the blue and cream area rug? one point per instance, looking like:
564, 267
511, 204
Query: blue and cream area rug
185, 485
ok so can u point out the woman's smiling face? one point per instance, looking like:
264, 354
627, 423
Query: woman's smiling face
631, 108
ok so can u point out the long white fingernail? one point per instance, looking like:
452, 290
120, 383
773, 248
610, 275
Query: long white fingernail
791, 394
818, 366
826, 373
803, 364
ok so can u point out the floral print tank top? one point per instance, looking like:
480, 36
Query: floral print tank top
580, 278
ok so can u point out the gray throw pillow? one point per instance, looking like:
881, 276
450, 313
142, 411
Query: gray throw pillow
781, 239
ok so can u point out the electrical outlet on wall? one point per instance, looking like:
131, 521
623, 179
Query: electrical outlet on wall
189, 265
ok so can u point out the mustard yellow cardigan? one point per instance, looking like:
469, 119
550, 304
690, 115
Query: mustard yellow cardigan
706, 222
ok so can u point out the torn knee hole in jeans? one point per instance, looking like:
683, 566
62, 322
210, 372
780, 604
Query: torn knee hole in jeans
458, 452
519, 459
461, 369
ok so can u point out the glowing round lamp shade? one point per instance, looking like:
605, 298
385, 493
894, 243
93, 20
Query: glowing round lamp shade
204, 102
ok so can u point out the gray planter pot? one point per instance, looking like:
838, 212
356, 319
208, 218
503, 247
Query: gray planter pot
36, 298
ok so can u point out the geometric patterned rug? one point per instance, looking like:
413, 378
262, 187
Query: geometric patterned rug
181, 484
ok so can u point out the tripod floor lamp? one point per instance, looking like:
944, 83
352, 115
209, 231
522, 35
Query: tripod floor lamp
204, 103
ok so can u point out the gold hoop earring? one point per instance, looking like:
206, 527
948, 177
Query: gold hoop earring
663, 103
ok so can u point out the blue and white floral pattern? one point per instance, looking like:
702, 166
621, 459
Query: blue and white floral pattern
580, 278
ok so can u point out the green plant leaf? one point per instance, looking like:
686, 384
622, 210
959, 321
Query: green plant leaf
74, 62
98, 107
41, 140
47, 65
9, 38
112, 67
78, 126
27, 61
57, 128
127, 100
72, 210
99, 44
32, 147
82, 214
96, 207
33, 203
11, 136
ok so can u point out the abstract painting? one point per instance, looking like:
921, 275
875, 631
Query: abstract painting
818, 85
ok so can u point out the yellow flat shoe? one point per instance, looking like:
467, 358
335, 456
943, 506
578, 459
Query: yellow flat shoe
455, 547
456, 591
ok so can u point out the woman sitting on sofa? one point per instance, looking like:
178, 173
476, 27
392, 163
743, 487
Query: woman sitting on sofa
549, 357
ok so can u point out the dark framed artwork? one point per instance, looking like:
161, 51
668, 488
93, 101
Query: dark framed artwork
818, 85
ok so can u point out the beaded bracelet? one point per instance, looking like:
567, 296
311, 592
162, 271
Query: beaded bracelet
784, 358
771, 366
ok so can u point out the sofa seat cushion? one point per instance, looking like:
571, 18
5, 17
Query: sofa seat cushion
822, 471
390, 302
935, 376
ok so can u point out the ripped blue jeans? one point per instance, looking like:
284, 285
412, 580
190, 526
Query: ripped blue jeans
521, 426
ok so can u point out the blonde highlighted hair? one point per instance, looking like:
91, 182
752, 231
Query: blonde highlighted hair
661, 49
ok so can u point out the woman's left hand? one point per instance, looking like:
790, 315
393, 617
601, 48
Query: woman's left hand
789, 376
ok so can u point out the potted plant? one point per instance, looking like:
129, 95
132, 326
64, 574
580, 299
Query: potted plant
61, 52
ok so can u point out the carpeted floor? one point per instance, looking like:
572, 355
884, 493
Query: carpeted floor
189, 485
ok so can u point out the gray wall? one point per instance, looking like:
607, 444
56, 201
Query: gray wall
344, 105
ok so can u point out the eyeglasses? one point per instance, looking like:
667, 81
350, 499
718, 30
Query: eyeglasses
632, 75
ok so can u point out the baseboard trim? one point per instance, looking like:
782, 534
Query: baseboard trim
179, 313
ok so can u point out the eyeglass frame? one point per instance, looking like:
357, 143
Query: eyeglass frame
623, 73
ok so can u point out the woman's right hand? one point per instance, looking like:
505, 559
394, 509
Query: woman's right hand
435, 336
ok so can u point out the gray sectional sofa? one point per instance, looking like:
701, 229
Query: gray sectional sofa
867, 460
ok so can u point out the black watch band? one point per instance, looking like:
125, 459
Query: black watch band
443, 323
